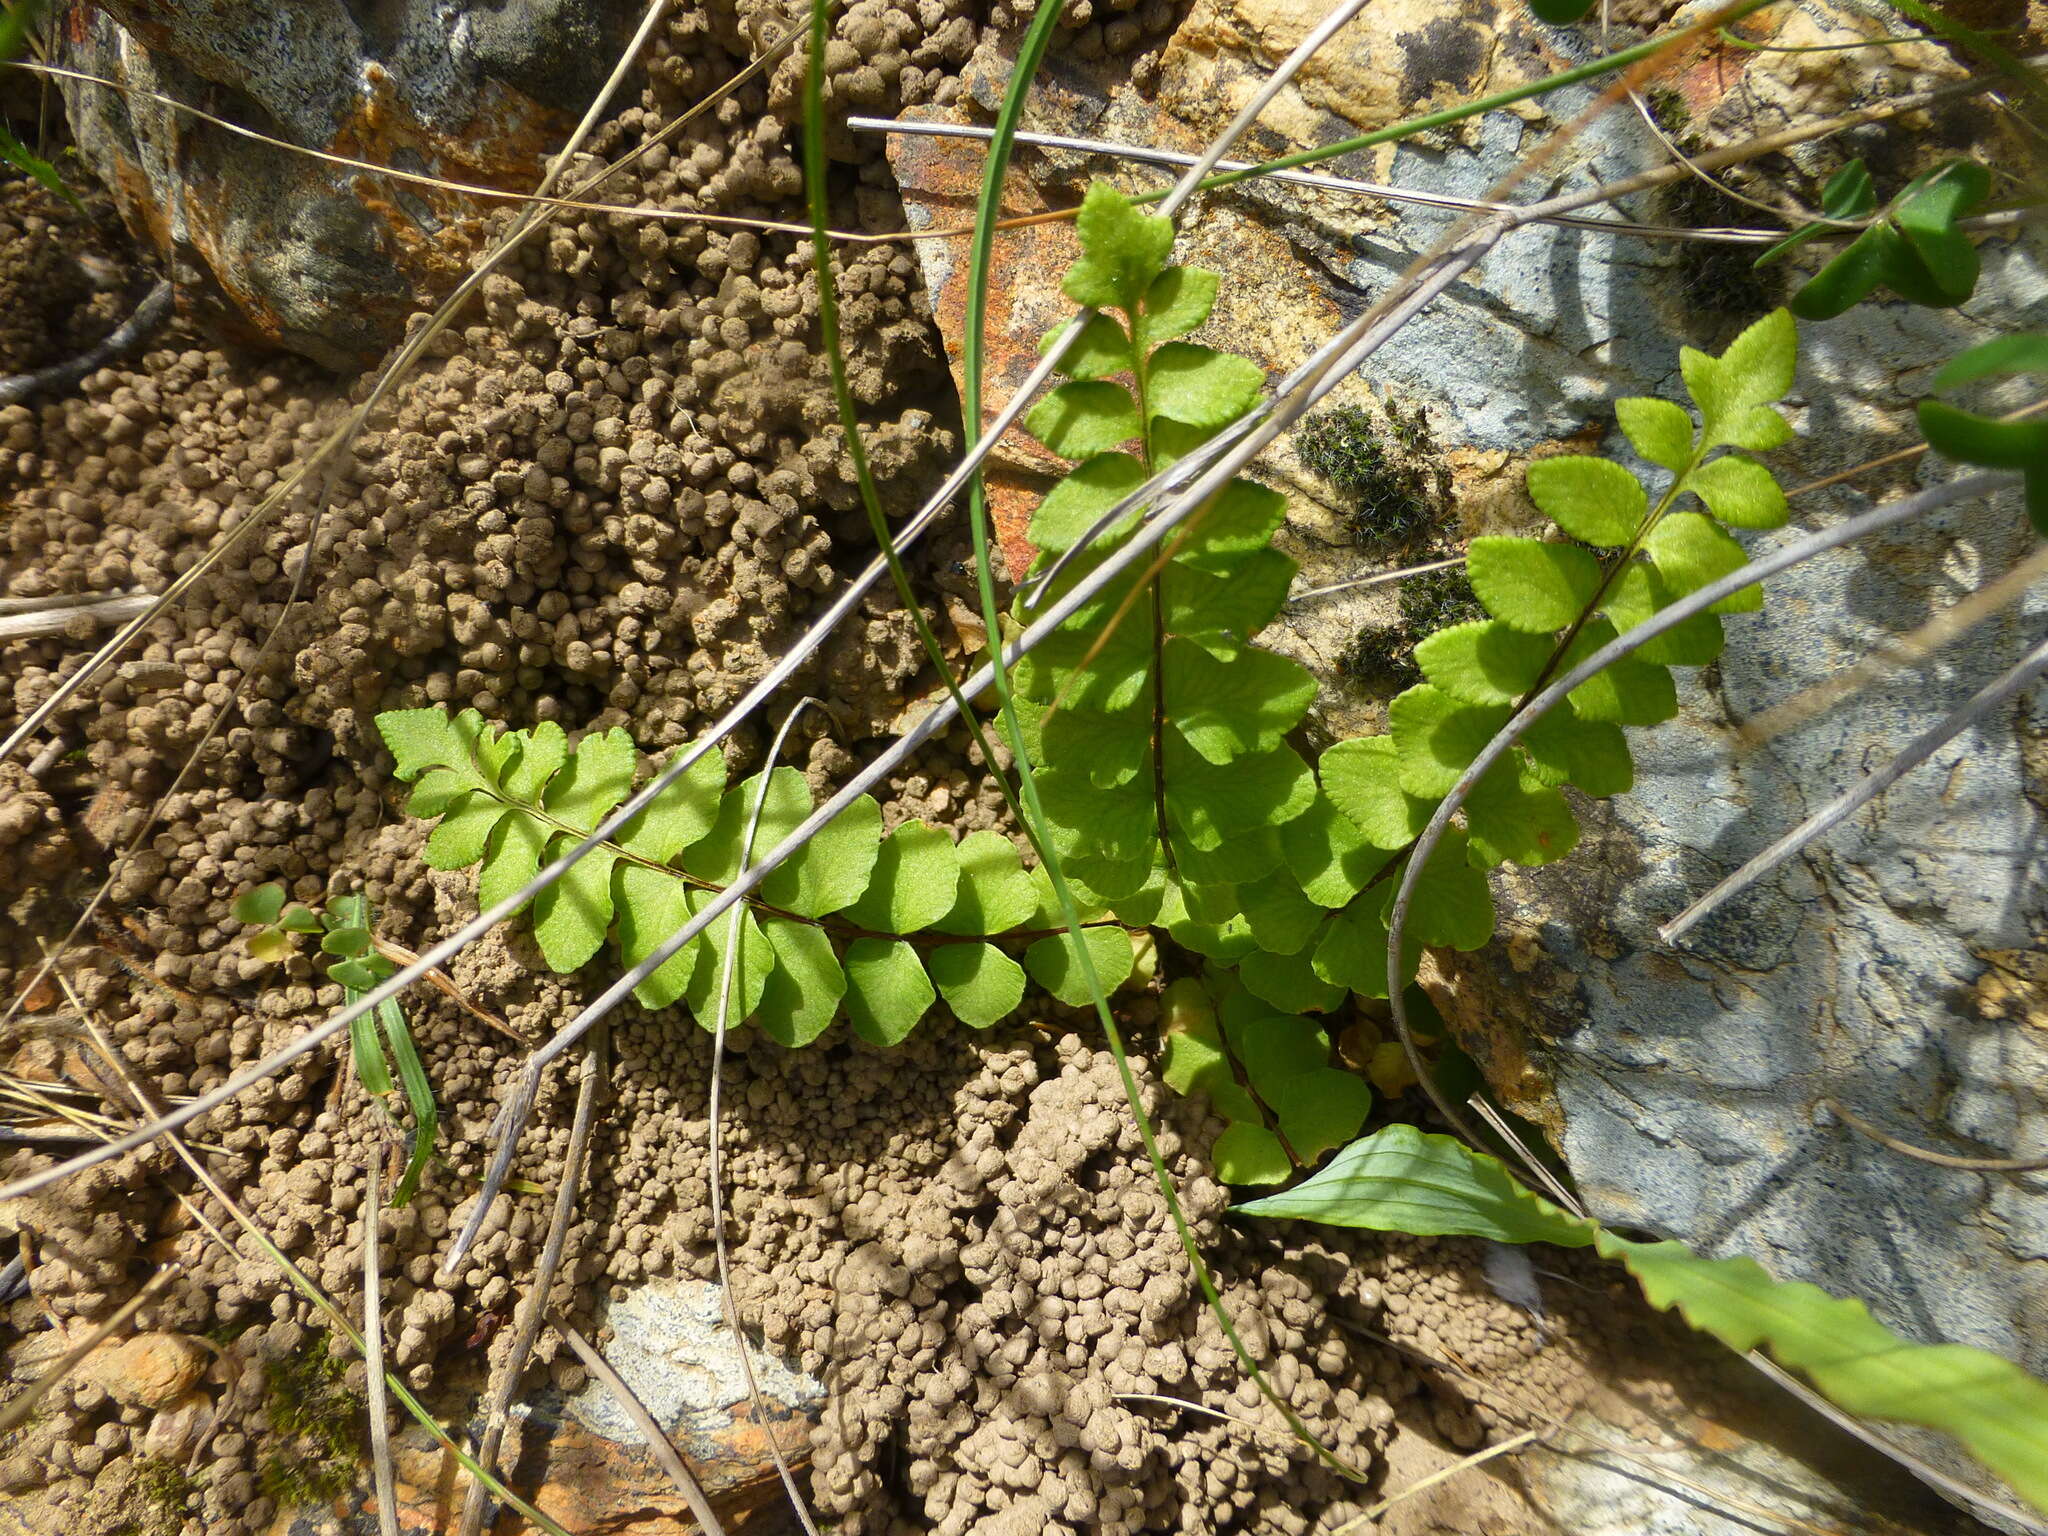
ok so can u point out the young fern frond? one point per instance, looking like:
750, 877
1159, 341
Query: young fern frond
882, 926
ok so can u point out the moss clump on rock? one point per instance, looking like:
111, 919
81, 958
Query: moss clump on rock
1393, 484
1383, 655
318, 1420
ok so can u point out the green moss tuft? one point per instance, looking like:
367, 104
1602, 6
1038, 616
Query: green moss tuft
320, 1419
1393, 483
1383, 655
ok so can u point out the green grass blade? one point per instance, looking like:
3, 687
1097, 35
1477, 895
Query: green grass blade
419, 1096
364, 1052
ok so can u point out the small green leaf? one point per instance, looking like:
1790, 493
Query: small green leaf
1740, 492
1179, 300
914, 882
1239, 520
1250, 1154
887, 991
1536, 587
830, 870
1759, 429
1591, 754
437, 789
1210, 804
27, 161
1200, 386
1233, 606
1353, 949
598, 776
1123, 251
1052, 964
1362, 777
419, 1097
1104, 349
1485, 662
680, 814
1926, 213
1624, 692
1084, 418
802, 993
1513, 815
1328, 856
268, 945
1659, 430
572, 916
1282, 917
420, 739
461, 836
1090, 489
995, 894
1756, 369
1637, 593
979, 982
1436, 737
1851, 276
513, 858
1272, 1046
1288, 982
260, 904
541, 751
1320, 1109
1451, 903
652, 906
1113, 746
1691, 551
745, 971
354, 975
1226, 709
1109, 823
351, 943
1596, 501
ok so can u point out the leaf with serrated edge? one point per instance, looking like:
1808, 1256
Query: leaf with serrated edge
887, 991
544, 749
1451, 903
1659, 430
979, 982
1200, 386
571, 917
1103, 349
750, 968
1435, 737
1624, 692
1636, 594
1591, 754
1226, 709
996, 893
1596, 501
1236, 604
1052, 965
680, 814
1238, 520
598, 776
1511, 815
1091, 489
1487, 662
1691, 551
513, 858
651, 906
420, 739
1123, 250
1362, 777
1740, 492
1209, 803
1330, 859
1530, 585
463, 834
824, 875
914, 882
801, 996
1083, 418
1179, 300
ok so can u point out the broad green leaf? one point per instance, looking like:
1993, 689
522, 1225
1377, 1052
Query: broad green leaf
1436, 737
744, 971
680, 814
1596, 501
1123, 251
599, 775
1533, 586
1320, 1109
1591, 754
420, 739
1237, 521
828, 872
1052, 964
1270, 1045
1329, 858
572, 916
260, 904
541, 751
995, 894
1756, 369
1111, 746
513, 857
887, 991
1114, 823
1179, 300
651, 906
1282, 918
1690, 551
1659, 430
1926, 213
1090, 489
1248, 855
1104, 349
1200, 386
1209, 804
802, 993
1740, 492
1879, 252
1084, 418
1487, 662
1250, 1154
460, 838
1451, 903
1353, 949
1234, 604
1227, 709
1512, 815
1625, 692
1401, 1179
1362, 777
914, 882
979, 982
1637, 593
1288, 982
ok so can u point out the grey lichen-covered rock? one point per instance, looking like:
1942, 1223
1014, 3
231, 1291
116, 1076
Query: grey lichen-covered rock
281, 247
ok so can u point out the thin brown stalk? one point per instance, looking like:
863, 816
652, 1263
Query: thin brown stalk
658, 1442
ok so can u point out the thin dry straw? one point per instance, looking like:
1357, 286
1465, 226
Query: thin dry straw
1994, 695
658, 1441
1759, 569
383, 1474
